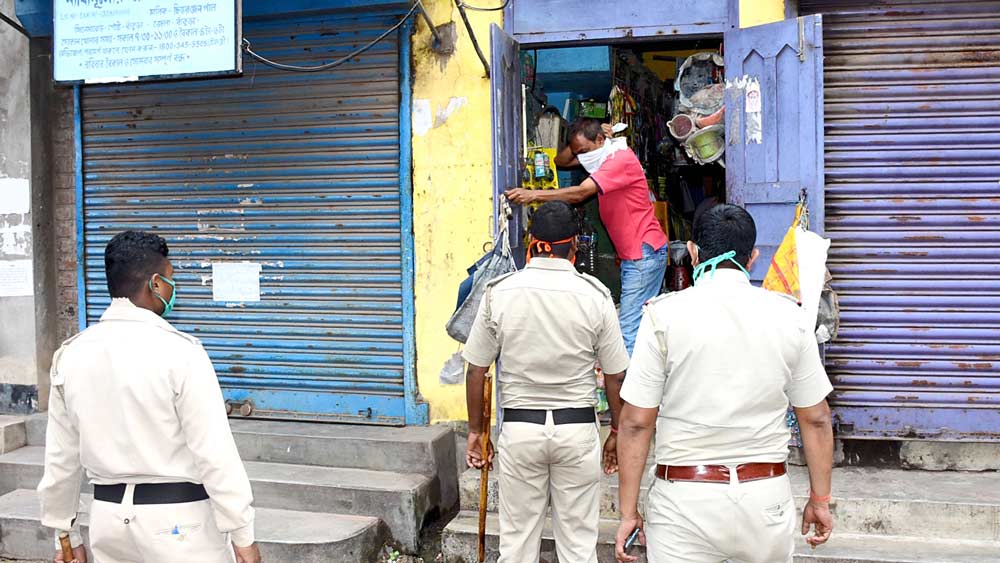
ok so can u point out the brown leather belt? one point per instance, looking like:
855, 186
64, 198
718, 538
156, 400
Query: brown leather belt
720, 473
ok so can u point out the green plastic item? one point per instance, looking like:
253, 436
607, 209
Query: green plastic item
602, 400
596, 110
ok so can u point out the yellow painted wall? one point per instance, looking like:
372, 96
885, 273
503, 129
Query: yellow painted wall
452, 160
452, 187
759, 12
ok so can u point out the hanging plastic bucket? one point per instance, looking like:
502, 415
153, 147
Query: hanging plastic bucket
707, 145
681, 126
700, 71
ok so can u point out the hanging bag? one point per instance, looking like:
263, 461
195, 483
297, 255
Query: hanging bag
495, 263
783, 274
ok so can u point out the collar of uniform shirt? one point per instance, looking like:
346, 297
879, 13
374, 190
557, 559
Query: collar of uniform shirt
122, 309
723, 275
539, 262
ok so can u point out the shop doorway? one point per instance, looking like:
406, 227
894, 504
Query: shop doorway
750, 98
632, 84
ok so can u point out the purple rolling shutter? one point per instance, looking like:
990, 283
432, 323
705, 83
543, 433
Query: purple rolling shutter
912, 168
786, 59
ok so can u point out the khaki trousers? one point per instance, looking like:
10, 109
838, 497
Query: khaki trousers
156, 533
714, 522
542, 466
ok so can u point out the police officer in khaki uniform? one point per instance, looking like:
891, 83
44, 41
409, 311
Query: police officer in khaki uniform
715, 368
548, 325
136, 404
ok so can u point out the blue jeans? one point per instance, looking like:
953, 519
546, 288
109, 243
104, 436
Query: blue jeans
641, 281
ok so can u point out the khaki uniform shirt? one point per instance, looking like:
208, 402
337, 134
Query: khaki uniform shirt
136, 401
736, 356
549, 325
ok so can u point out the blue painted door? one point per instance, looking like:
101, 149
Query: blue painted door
506, 105
774, 149
299, 173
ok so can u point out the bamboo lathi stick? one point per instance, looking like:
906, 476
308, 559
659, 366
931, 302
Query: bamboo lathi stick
484, 477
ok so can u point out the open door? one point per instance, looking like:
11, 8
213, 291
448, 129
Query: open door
774, 126
505, 80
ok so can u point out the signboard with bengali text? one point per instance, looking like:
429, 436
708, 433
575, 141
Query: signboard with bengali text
99, 41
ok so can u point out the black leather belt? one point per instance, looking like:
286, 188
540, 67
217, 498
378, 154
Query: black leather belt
153, 493
582, 415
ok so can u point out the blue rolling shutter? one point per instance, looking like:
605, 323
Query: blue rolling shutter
298, 172
767, 178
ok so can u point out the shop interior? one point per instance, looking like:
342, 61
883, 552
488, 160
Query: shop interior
671, 97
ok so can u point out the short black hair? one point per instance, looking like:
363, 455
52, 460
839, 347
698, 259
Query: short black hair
723, 228
131, 259
554, 221
589, 127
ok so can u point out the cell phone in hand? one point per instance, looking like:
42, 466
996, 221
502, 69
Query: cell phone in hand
631, 539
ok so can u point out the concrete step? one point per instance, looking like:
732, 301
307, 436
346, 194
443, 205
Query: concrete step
36, 425
401, 500
411, 449
285, 536
429, 450
884, 502
13, 433
459, 545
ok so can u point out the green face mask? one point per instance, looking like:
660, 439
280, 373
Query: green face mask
714, 262
167, 305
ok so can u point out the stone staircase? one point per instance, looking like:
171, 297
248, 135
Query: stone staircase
881, 516
323, 492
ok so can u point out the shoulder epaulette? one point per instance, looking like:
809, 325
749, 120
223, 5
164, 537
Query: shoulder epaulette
785, 295
596, 283
499, 279
54, 378
185, 336
660, 297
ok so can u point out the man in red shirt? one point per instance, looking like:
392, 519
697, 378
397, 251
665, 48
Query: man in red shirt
619, 182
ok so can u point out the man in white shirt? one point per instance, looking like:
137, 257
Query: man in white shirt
136, 404
547, 324
714, 369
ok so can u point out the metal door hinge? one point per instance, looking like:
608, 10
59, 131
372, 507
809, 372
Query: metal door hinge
802, 40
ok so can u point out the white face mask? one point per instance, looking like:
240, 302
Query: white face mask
593, 160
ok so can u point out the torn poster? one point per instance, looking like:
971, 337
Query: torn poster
17, 278
753, 107
235, 281
15, 240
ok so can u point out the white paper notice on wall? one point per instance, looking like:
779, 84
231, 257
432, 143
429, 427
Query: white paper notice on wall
753, 107
15, 196
16, 278
235, 281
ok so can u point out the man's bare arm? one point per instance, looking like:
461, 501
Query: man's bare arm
566, 159
635, 431
571, 195
613, 386
475, 377
815, 425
